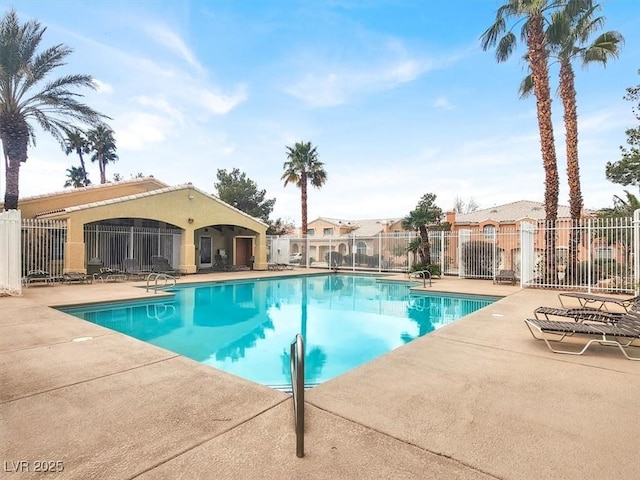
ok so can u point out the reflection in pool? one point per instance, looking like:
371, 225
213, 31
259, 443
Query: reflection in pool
245, 328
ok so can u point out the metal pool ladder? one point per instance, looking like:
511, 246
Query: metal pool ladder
155, 277
297, 387
424, 274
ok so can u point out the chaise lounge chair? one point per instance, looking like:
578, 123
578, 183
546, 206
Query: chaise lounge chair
620, 333
599, 302
161, 265
578, 314
107, 274
132, 269
76, 277
508, 276
38, 276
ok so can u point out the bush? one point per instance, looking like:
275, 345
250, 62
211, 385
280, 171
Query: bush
333, 257
600, 270
432, 268
477, 259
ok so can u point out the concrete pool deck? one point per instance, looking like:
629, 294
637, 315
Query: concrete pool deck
477, 399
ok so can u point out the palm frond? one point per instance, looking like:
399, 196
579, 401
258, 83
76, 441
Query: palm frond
506, 47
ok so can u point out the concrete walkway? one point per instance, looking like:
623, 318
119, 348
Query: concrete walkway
477, 399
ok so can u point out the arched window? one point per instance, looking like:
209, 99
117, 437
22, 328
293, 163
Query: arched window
489, 231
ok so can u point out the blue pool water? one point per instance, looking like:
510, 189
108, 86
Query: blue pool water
245, 328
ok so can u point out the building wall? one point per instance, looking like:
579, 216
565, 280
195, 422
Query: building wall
186, 208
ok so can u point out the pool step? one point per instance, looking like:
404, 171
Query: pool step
286, 387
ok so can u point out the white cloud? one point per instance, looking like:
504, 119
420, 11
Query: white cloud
443, 103
374, 63
162, 105
173, 42
138, 130
102, 87
220, 104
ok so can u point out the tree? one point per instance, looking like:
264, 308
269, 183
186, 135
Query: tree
626, 171
76, 178
103, 145
569, 32
425, 215
118, 177
280, 227
465, 206
568, 36
241, 192
302, 168
533, 13
25, 100
76, 141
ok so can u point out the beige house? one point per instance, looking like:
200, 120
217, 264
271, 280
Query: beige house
507, 221
360, 237
144, 217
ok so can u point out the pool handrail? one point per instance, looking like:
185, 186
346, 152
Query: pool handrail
424, 274
296, 358
160, 276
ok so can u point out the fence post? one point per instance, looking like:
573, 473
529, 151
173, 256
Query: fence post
636, 249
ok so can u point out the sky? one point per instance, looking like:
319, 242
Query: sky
397, 95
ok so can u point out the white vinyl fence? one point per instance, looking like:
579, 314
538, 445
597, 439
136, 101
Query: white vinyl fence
10, 253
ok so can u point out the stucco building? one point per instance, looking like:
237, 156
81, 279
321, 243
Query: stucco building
144, 217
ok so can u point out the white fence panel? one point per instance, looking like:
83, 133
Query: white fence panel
10, 253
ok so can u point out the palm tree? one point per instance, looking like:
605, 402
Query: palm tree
425, 214
76, 141
24, 99
568, 33
76, 178
303, 167
567, 38
533, 12
103, 145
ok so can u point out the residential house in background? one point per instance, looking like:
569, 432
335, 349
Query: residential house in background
364, 243
500, 227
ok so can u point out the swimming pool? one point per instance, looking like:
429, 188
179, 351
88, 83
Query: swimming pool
245, 328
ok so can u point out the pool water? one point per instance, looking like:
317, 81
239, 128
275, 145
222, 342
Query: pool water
246, 328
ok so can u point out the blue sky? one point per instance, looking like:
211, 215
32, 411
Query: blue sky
397, 95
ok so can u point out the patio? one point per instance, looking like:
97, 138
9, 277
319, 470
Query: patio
477, 399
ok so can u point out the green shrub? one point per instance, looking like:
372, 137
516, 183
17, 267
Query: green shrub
432, 268
477, 259
333, 258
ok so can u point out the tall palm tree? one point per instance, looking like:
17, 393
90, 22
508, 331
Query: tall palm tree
25, 100
568, 35
76, 178
534, 15
76, 141
302, 168
569, 32
103, 145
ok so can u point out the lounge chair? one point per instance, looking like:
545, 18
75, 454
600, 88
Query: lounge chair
38, 276
577, 314
626, 328
161, 265
508, 276
598, 302
76, 277
131, 268
110, 275
221, 264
